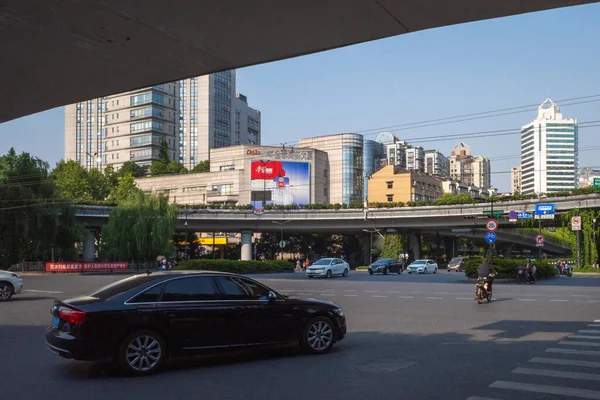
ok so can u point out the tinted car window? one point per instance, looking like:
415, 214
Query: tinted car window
149, 296
242, 289
323, 262
122, 286
190, 289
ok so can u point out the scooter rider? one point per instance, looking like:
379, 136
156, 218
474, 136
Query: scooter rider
484, 270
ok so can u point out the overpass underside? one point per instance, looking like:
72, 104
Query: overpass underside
62, 52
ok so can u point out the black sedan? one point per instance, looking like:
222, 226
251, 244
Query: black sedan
142, 320
385, 265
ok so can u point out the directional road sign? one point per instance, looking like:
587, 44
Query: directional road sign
596, 182
524, 215
490, 237
496, 212
543, 209
491, 225
539, 240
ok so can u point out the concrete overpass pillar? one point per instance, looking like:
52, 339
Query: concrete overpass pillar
246, 245
507, 251
89, 245
414, 246
367, 249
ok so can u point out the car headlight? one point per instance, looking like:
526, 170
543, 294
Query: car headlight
339, 311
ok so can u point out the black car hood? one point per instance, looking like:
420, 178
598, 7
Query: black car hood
311, 301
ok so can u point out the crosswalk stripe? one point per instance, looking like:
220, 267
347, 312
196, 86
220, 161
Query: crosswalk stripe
584, 337
589, 331
560, 361
566, 343
574, 351
557, 374
594, 325
530, 387
480, 398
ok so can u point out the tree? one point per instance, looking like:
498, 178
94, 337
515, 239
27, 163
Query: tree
158, 168
140, 228
72, 181
175, 167
202, 166
129, 167
99, 184
392, 245
457, 198
125, 189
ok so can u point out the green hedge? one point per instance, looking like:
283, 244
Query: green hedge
507, 268
238, 267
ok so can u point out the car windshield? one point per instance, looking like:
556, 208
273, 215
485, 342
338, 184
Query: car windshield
419, 262
383, 260
455, 260
121, 286
324, 261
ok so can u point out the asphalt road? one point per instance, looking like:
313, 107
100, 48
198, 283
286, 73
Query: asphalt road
410, 337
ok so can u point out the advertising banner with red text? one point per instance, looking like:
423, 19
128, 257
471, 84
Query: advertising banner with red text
85, 266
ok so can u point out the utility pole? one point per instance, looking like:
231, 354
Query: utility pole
578, 247
491, 246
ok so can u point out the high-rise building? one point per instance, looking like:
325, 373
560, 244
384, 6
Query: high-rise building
191, 115
122, 127
415, 158
345, 173
516, 179
549, 151
472, 170
587, 177
373, 152
436, 163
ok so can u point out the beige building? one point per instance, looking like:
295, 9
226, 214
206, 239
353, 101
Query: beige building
516, 179
472, 170
393, 184
345, 169
123, 127
250, 175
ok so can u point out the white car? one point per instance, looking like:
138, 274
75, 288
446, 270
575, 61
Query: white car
10, 283
328, 267
423, 267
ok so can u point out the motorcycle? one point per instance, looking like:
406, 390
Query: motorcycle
522, 275
482, 290
567, 271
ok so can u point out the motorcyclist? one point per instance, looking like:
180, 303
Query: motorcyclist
484, 270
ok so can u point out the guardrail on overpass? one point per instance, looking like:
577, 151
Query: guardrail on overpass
347, 220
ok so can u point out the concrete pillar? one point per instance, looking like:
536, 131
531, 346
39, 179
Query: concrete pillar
246, 245
507, 251
89, 246
366, 245
414, 246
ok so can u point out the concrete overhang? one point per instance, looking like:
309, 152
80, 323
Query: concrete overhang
57, 52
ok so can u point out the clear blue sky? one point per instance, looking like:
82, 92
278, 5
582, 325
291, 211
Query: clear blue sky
438, 73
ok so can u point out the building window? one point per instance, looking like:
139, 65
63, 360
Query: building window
390, 184
390, 198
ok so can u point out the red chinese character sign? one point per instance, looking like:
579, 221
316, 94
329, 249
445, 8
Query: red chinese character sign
85, 266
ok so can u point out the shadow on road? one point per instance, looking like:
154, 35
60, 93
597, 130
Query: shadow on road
21, 298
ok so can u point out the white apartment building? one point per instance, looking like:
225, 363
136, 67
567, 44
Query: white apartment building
436, 163
549, 151
415, 158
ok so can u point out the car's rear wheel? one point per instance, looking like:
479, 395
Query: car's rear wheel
399, 270
385, 271
345, 272
425, 271
6, 291
142, 352
318, 335
435, 270
328, 274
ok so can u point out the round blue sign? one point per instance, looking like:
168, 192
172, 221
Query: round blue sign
490, 237
513, 215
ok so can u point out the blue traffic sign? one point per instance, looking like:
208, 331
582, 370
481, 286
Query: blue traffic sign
490, 237
524, 215
543, 209
512, 215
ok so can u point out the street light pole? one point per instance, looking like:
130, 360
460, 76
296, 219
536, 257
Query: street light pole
264, 164
281, 223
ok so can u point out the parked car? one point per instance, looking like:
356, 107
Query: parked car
385, 265
423, 267
328, 267
457, 264
10, 283
140, 321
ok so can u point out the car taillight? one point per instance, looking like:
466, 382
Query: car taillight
72, 316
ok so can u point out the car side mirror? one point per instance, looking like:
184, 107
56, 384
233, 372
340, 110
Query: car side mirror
271, 297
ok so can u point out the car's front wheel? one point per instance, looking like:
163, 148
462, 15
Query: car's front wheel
6, 291
318, 335
370, 272
142, 352
328, 274
345, 274
385, 271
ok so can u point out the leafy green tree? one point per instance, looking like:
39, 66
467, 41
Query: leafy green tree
202, 166
112, 176
140, 228
125, 189
450, 199
175, 167
99, 184
129, 167
72, 181
392, 245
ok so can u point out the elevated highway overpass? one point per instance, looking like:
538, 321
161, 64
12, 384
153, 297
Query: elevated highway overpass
405, 219
62, 52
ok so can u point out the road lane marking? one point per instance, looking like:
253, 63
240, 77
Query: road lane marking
594, 325
350, 295
558, 300
375, 295
584, 337
393, 291
573, 351
328, 294
527, 299
589, 331
464, 298
560, 361
441, 293
371, 291
557, 374
581, 295
434, 298
42, 291
406, 297
422, 292
563, 342
349, 290
530, 387
480, 398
